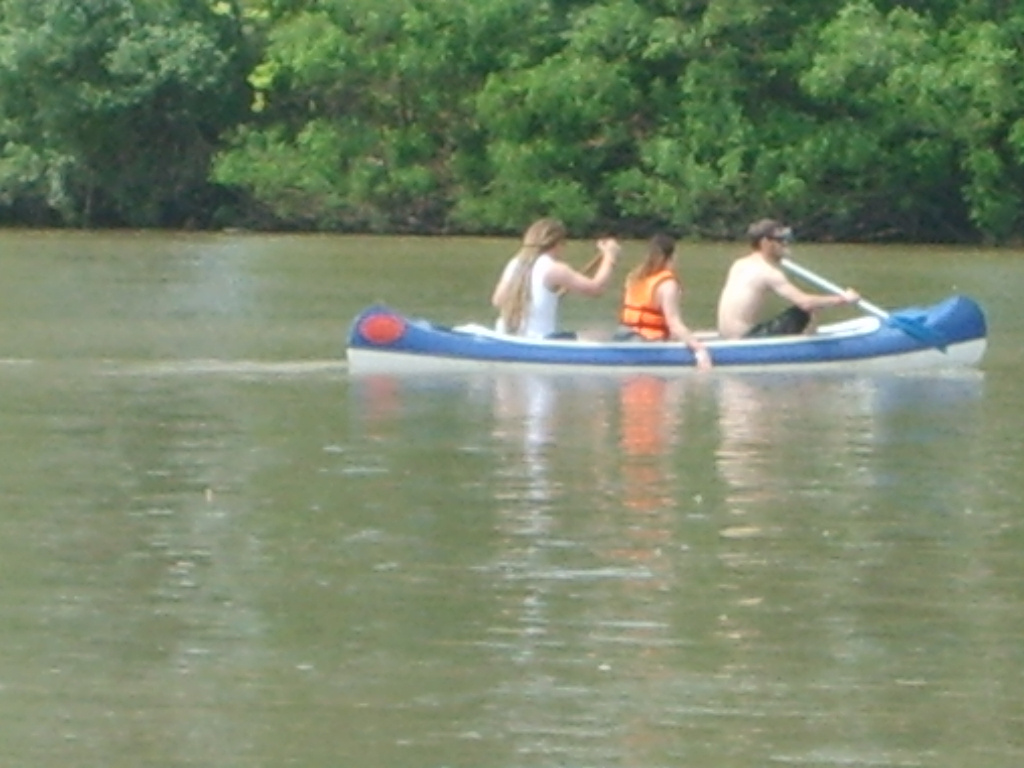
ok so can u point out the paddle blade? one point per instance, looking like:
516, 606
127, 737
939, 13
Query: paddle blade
914, 328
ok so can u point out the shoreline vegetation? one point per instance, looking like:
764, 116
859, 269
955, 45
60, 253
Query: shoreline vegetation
854, 120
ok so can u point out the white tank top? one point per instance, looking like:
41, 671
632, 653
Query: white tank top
540, 317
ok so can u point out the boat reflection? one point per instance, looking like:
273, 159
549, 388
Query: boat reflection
827, 426
657, 548
588, 480
587, 568
808, 467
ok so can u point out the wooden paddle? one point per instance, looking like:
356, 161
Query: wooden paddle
905, 324
589, 267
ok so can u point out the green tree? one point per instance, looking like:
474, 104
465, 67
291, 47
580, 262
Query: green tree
716, 147
111, 109
362, 110
935, 110
558, 123
854, 119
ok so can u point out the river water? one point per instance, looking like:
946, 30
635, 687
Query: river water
220, 549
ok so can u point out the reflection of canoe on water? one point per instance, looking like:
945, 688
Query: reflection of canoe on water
381, 339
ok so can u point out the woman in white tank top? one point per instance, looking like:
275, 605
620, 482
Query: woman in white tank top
528, 291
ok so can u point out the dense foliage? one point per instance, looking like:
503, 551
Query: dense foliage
854, 119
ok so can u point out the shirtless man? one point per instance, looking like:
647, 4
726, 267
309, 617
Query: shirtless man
752, 277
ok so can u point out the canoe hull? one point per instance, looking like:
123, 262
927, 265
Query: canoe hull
382, 340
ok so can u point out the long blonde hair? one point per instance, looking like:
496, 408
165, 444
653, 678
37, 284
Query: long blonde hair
540, 237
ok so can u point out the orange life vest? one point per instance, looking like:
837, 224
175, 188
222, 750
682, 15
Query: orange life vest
640, 310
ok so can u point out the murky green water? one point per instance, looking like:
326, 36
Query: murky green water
219, 549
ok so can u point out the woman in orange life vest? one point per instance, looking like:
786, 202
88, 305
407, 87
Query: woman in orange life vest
650, 306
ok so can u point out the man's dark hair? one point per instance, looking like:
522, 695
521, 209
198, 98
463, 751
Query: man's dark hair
766, 228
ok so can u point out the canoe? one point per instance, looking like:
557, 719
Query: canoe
950, 333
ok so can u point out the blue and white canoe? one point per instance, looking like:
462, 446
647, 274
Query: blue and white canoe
948, 334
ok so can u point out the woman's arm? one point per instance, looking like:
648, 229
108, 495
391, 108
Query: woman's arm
502, 287
669, 296
562, 276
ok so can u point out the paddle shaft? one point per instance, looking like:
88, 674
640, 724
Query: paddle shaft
593, 264
589, 267
908, 326
828, 285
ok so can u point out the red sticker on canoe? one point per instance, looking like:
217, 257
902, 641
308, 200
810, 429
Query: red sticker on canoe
382, 328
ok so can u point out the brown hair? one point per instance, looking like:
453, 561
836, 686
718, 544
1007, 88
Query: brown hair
660, 249
540, 237
765, 228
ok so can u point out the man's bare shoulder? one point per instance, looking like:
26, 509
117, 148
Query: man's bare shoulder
754, 266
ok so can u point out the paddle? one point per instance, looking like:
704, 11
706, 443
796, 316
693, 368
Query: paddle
587, 269
905, 324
